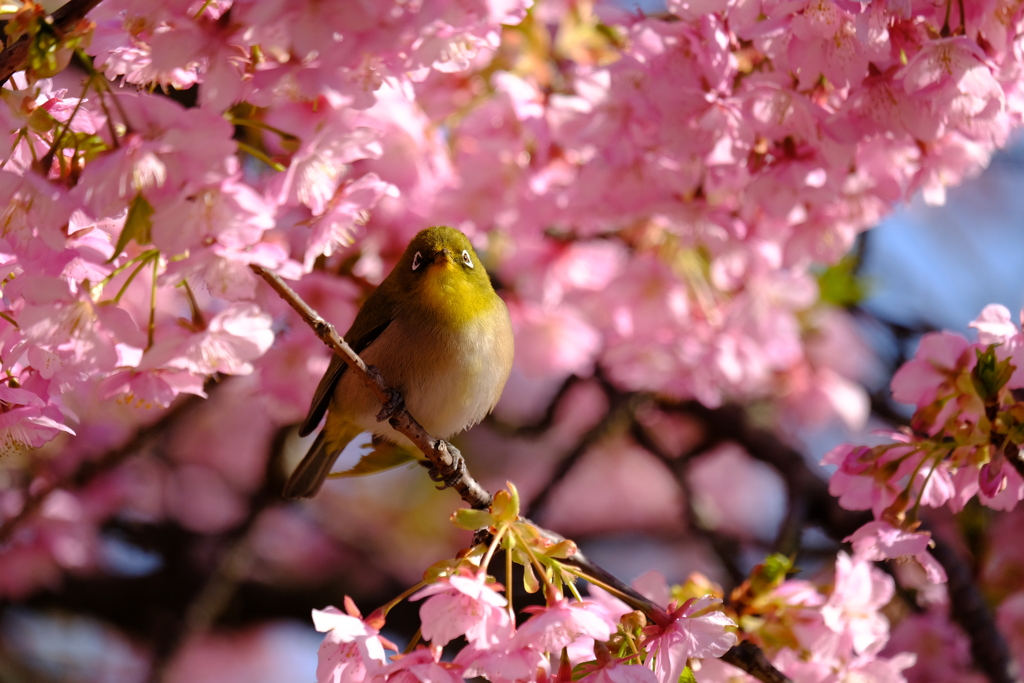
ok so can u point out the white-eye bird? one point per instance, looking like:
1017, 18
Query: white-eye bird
437, 332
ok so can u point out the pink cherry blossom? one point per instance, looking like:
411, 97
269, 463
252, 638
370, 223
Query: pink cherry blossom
463, 605
616, 671
234, 338
560, 624
168, 150
554, 340
231, 214
918, 381
687, 636
504, 664
881, 541
942, 648
26, 421
334, 228
995, 326
352, 650
1001, 486
852, 608
420, 666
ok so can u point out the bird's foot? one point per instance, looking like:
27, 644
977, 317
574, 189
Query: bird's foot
451, 474
395, 403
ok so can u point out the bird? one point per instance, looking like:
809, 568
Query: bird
438, 333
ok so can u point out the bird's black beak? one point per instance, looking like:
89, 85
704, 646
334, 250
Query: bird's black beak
443, 256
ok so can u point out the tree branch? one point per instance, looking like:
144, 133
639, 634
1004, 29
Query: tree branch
725, 548
968, 608
621, 411
546, 420
750, 658
13, 58
233, 565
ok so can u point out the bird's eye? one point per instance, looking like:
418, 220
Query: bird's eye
417, 260
466, 258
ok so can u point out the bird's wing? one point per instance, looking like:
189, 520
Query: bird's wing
373, 318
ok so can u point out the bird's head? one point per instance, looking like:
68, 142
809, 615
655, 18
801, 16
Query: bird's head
441, 270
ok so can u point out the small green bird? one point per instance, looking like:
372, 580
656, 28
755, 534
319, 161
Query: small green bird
437, 332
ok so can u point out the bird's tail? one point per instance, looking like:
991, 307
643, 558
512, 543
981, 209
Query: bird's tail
309, 476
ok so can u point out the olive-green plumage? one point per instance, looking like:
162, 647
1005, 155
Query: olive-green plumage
437, 332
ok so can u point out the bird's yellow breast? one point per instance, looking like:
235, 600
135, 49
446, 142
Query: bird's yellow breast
450, 373
451, 298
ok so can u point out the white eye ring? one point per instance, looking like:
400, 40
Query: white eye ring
466, 258
417, 260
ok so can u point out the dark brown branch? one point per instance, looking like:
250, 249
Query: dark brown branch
546, 420
233, 566
92, 469
13, 58
731, 424
750, 658
968, 608
725, 548
623, 407
1012, 453
445, 458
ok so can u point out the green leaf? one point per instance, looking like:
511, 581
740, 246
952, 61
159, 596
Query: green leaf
530, 582
89, 145
990, 374
840, 285
137, 226
687, 676
775, 568
583, 669
505, 504
471, 520
561, 550
384, 456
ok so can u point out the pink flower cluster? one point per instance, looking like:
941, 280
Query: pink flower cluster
131, 221
811, 633
466, 605
814, 634
964, 440
695, 168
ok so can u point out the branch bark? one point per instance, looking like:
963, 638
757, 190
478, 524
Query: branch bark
968, 608
621, 410
13, 58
